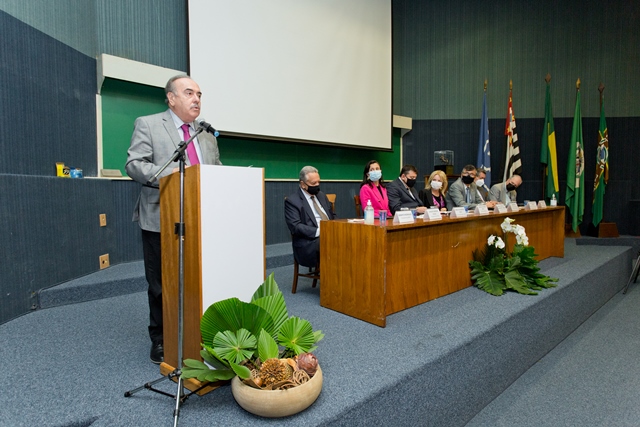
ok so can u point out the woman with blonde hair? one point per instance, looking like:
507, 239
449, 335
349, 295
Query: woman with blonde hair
434, 191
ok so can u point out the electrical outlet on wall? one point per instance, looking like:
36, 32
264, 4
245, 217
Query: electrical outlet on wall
103, 220
104, 261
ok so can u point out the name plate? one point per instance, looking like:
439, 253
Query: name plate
403, 217
458, 212
500, 208
481, 210
531, 206
432, 214
542, 204
513, 207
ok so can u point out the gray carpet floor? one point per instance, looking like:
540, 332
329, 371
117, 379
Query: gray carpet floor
70, 365
592, 378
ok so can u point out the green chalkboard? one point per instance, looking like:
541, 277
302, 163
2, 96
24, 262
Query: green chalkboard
123, 102
283, 160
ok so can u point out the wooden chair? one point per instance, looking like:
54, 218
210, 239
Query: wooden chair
314, 272
356, 201
332, 201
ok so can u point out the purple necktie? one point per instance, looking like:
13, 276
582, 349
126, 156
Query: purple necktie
191, 149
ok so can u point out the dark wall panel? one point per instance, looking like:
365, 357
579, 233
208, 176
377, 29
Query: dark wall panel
461, 136
150, 31
53, 234
47, 107
444, 50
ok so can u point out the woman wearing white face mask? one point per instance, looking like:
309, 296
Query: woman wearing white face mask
433, 193
372, 188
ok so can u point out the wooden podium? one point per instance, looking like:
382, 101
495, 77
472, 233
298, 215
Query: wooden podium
224, 247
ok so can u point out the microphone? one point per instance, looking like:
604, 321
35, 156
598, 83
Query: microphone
207, 127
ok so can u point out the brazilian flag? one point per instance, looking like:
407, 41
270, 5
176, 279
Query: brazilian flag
548, 155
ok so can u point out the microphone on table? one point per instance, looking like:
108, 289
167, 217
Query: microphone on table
207, 127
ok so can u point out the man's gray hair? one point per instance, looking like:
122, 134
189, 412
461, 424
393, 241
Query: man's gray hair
306, 171
171, 87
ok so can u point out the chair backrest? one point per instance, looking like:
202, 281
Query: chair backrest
330, 197
332, 200
356, 201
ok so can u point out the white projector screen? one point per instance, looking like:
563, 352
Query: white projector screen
305, 70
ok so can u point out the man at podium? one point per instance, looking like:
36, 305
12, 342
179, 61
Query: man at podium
304, 210
155, 138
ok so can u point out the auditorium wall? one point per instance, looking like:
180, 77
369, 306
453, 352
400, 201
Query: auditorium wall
443, 52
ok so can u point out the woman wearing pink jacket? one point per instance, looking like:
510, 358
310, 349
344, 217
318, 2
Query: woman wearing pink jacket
372, 188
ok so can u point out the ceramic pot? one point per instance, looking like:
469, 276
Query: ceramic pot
277, 403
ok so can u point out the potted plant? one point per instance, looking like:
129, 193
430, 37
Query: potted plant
494, 270
266, 353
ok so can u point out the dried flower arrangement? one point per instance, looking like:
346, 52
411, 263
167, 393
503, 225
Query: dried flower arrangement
257, 341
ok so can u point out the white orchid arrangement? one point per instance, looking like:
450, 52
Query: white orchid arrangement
508, 227
494, 270
496, 241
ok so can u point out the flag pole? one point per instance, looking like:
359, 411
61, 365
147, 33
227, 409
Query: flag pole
506, 153
606, 229
601, 90
547, 79
571, 232
485, 85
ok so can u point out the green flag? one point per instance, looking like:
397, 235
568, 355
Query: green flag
602, 168
574, 198
548, 155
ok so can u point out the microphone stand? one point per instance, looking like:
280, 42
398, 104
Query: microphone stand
179, 229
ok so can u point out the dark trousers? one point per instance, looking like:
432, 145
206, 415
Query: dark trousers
153, 273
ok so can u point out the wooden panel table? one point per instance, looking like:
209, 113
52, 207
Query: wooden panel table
372, 271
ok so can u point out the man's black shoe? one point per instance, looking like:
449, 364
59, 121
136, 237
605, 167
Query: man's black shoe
157, 353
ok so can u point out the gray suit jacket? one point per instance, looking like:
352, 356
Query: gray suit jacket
456, 195
499, 193
154, 140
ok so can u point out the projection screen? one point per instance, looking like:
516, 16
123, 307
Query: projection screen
315, 71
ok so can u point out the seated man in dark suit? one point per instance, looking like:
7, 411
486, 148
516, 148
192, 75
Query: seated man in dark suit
401, 193
303, 211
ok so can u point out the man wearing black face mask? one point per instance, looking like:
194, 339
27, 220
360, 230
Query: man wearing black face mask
304, 210
505, 192
464, 193
401, 193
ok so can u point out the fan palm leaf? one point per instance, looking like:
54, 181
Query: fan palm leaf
235, 346
297, 335
231, 315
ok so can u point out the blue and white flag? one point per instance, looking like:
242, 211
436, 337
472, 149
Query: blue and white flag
484, 153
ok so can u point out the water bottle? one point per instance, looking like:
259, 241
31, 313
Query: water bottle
554, 202
368, 213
